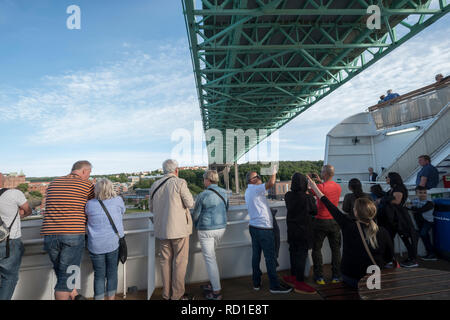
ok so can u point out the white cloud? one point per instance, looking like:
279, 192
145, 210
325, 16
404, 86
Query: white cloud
144, 97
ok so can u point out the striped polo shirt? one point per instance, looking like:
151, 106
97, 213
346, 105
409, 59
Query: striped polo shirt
65, 205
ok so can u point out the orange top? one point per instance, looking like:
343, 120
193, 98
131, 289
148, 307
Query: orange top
332, 191
65, 205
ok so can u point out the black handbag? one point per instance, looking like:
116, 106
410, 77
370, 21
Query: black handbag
123, 250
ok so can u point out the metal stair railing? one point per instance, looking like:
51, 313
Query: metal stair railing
435, 136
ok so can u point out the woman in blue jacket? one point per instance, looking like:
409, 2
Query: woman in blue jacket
210, 219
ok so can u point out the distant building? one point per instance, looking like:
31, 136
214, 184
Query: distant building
156, 176
133, 179
120, 188
136, 196
11, 180
279, 190
193, 168
40, 187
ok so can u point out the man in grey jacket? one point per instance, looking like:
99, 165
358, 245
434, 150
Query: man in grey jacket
170, 201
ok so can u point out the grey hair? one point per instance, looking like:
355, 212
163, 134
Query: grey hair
104, 189
81, 164
169, 166
247, 176
212, 176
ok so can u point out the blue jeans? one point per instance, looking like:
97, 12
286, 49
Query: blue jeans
264, 240
9, 267
64, 250
424, 232
105, 268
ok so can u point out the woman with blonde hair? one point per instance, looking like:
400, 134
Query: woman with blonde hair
210, 220
103, 242
364, 242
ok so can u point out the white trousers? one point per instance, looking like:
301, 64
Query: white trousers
209, 239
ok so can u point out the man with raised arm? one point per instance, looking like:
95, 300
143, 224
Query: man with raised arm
262, 231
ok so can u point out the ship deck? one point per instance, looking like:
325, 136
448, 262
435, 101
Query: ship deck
240, 288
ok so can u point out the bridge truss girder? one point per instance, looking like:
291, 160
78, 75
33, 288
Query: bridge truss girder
258, 64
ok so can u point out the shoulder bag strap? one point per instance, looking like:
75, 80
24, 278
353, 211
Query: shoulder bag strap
365, 243
109, 217
220, 196
159, 186
3, 190
10, 226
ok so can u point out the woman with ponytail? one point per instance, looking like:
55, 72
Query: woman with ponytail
355, 186
355, 257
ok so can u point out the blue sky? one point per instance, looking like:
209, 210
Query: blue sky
115, 91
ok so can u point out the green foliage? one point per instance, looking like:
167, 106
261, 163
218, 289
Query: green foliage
285, 171
41, 179
195, 189
36, 194
143, 184
122, 178
23, 187
194, 178
142, 205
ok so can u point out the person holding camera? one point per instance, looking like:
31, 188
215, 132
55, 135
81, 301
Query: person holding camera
261, 229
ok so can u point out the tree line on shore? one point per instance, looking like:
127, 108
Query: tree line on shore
194, 178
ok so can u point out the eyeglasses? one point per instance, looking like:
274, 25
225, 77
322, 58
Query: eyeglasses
257, 176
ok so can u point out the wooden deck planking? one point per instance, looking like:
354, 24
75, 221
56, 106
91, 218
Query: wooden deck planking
409, 284
241, 288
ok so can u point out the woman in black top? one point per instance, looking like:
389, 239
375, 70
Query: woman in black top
395, 217
301, 207
355, 186
355, 258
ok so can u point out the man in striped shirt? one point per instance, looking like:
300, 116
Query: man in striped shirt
64, 225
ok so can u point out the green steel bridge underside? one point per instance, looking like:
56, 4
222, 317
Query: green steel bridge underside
260, 63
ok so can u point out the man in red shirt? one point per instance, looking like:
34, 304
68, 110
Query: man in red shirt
325, 227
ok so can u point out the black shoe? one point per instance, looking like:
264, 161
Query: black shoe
257, 287
409, 263
282, 288
429, 257
79, 297
187, 297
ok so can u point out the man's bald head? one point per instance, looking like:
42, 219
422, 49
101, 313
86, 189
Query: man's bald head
327, 172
